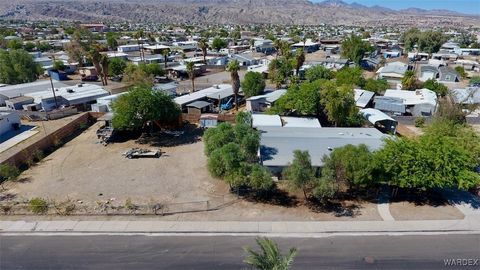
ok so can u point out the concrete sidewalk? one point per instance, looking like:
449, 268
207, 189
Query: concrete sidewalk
469, 224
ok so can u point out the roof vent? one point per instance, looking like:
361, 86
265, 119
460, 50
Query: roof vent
69, 90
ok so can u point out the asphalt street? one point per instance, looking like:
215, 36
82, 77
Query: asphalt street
226, 252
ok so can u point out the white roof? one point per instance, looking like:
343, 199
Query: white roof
362, 97
308, 43
183, 100
23, 89
394, 67
156, 47
374, 115
303, 122
270, 96
266, 120
74, 94
420, 96
258, 68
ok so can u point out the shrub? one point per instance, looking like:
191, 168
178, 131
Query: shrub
38, 206
420, 122
8, 172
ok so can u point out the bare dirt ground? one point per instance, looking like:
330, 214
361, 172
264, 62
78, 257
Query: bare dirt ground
84, 170
411, 211
207, 80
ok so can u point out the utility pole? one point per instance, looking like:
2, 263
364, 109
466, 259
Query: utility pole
53, 90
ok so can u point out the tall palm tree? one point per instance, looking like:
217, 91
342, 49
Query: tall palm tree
203, 46
93, 54
299, 60
104, 64
191, 73
270, 257
139, 35
233, 68
165, 53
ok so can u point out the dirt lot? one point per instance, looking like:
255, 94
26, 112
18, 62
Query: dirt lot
84, 170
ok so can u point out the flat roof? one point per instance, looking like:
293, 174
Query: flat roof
199, 104
185, 99
74, 94
266, 120
278, 143
23, 89
362, 97
373, 115
271, 96
304, 122
419, 96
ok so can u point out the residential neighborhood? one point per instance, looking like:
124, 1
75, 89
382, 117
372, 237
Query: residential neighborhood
256, 132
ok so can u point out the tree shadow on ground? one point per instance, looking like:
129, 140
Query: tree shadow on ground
461, 197
7, 197
188, 134
337, 208
276, 197
420, 197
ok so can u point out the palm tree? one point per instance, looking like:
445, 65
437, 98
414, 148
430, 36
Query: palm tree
270, 257
139, 35
191, 73
165, 53
233, 67
203, 46
104, 65
94, 55
299, 60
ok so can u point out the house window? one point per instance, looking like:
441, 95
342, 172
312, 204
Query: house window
447, 78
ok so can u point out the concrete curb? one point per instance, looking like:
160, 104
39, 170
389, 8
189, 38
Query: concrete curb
470, 225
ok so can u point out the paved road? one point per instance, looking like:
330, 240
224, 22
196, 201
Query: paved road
225, 252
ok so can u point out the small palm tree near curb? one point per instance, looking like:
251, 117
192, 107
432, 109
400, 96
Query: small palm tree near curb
270, 257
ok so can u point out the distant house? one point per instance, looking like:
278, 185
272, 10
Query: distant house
392, 72
82, 96
264, 46
466, 96
94, 27
421, 102
428, 72
309, 46
330, 63
156, 49
186, 46
18, 102
9, 120
363, 98
380, 120
129, 48
370, 63
448, 75
262, 102
244, 59
392, 54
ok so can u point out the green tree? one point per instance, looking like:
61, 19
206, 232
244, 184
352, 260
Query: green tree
431, 41
351, 165
410, 38
339, 104
475, 80
299, 60
325, 190
318, 72
215, 138
378, 86
436, 87
430, 162
303, 99
260, 179
191, 73
350, 76
112, 40
218, 44
117, 66
300, 174
14, 44
409, 80
203, 45
17, 66
461, 71
233, 67
153, 69
29, 46
270, 257
132, 111
225, 162
279, 70
354, 48
253, 84
137, 75
59, 65
8, 172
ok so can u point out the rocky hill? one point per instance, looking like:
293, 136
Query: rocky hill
224, 11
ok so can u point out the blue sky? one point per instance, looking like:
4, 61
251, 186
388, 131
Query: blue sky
464, 6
